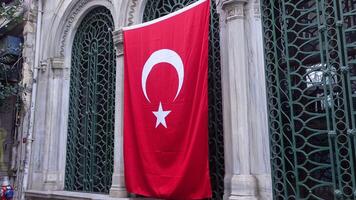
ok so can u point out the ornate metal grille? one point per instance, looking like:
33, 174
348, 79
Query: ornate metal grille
159, 8
89, 164
311, 84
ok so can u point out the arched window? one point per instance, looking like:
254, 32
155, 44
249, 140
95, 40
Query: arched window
159, 8
310, 58
89, 162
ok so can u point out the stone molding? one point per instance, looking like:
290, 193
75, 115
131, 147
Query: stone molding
57, 63
66, 195
52, 63
69, 21
133, 5
234, 9
118, 38
58, 67
243, 186
257, 10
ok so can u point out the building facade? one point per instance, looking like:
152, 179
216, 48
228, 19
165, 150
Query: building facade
282, 98
73, 129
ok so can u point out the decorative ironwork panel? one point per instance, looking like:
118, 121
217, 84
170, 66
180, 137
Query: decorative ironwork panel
89, 164
345, 31
159, 8
311, 85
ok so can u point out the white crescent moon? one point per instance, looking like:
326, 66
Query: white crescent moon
163, 56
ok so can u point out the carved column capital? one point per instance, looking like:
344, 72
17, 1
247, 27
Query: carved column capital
234, 9
57, 63
118, 37
59, 69
257, 10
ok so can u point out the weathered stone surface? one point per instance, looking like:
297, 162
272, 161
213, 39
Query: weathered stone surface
245, 121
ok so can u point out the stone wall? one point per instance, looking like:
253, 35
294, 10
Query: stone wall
28, 56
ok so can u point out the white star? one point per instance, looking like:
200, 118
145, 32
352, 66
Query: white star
161, 115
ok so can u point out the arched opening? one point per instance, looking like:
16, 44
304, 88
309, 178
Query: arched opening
310, 73
158, 8
90, 143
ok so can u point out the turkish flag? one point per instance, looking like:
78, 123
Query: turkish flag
166, 105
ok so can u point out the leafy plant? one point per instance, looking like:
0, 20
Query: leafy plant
7, 90
8, 14
8, 87
8, 11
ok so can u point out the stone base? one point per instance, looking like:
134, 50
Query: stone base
264, 186
66, 195
117, 192
118, 189
243, 187
242, 198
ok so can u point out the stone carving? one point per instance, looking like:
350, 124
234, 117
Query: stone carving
57, 63
118, 38
234, 9
57, 66
133, 4
256, 10
69, 21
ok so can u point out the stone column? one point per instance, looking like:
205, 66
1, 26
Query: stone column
243, 184
118, 180
52, 136
258, 123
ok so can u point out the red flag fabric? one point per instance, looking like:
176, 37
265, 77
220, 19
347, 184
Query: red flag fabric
166, 105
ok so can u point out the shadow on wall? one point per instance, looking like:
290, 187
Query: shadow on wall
6, 136
3, 146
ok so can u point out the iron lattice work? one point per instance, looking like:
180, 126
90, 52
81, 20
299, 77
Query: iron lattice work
89, 164
159, 8
310, 56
